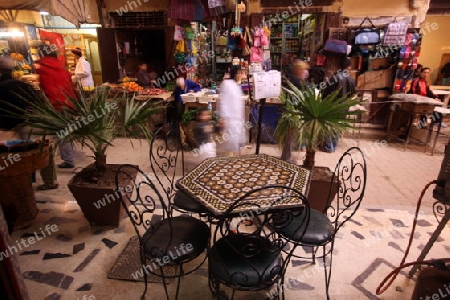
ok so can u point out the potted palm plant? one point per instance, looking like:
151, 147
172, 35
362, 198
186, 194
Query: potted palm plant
309, 119
93, 122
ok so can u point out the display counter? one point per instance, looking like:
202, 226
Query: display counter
405, 111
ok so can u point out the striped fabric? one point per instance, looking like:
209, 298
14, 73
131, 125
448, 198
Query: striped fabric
194, 10
189, 10
215, 3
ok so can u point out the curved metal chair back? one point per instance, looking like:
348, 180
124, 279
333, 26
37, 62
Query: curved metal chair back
173, 240
351, 175
247, 253
166, 159
141, 198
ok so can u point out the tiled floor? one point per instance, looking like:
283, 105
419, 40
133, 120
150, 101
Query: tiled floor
74, 261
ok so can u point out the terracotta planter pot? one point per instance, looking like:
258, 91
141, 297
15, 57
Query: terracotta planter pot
18, 200
100, 203
320, 188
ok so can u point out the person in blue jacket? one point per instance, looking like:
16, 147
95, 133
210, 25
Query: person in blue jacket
184, 86
175, 109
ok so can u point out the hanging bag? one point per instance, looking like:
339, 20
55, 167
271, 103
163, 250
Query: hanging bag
264, 38
181, 46
335, 47
177, 35
246, 48
256, 54
367, 35
395, 33
257, 38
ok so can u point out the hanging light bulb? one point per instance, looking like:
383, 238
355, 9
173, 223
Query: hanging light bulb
241, 6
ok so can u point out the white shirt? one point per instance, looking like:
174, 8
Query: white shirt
231, 108
83, 73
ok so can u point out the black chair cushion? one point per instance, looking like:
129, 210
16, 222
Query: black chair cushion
186, 202
319, 232
179, 238
244, 262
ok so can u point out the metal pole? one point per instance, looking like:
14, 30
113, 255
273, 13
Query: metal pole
262, 102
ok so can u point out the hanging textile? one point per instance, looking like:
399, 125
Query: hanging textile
75, 11
215, 3
53, 38
189, 10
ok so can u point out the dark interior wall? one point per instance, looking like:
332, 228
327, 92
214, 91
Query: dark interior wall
146, 45
151, 46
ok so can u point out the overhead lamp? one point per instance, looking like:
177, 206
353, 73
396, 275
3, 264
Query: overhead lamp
11, 33
44, 13
241, 6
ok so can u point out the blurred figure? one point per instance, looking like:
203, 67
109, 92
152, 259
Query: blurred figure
145, 79
55, 82
175, 108
231, 109
344, 83
341, 81
297, 74
417, 71
184, 86
16, 93
82, 74
204, 129
445, 73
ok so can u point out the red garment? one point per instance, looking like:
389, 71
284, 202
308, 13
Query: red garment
420, 87
55, 81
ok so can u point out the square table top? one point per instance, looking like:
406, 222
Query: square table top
218, 182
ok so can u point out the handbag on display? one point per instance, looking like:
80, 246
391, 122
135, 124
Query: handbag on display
256, 54
395, 34
367, 35
245, 48
321, 59
264, 38
257, 38
177, 35
335, 47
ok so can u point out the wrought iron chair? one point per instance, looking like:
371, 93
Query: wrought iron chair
172, 240
166, 163
351, 173
247, 254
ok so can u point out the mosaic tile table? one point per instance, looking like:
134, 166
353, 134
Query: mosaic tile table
218, 182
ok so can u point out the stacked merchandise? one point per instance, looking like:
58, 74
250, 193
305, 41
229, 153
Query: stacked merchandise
408, 57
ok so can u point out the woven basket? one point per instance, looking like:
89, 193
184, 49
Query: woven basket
15, 183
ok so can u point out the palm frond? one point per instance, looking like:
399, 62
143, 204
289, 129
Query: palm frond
314, 118
93, 122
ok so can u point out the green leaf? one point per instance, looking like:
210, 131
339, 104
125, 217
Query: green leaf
93, 122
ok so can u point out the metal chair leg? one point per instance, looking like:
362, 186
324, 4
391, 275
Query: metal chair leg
179, 279
164, 283
143, 262
328, 273
324, 261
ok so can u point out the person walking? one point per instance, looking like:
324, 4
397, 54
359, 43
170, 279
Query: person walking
82, 74
56, 84
344, 83
297, 74
15, 96
13, 93
231, 109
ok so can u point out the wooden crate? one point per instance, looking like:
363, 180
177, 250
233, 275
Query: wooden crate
371, 80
